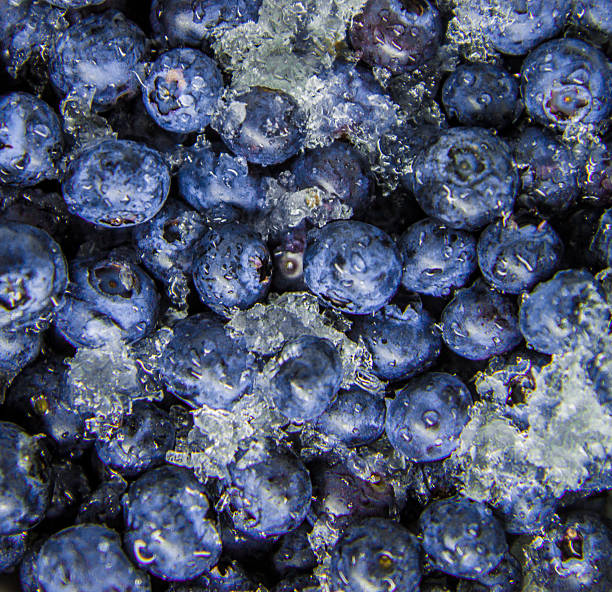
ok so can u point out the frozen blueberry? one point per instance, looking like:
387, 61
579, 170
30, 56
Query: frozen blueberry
109, 297
270, 491
479, 323
601, 245
436, 258
70, 488
550, 176
33, 275
24, 480
403, 340
399, 36
337, 169
71, 560
167, 531
12, 550
506, 577
203, 365
375, 554
599, 173
219, 184
140, 442
31, 141
558, 312
264, 126
352, 266
305, 377
567, 81
466, 179
355, 417
481, 94
288, 261
594, 18
116, 183
462, 537
299, 583
182, 89
222, 578
103, 505
426, 417
515, 256
17, 350
294, 553
98, 57
232, 268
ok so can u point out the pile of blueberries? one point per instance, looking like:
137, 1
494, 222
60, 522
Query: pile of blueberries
135, 205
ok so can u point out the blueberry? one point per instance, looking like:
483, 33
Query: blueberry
140, 442
593, 17
288, 261
550, 176
515, 256
24, 480
219, 184
479, 323
203, 365
337, 169
17, 350
506, 577
355, 417
70, 560
558, 312
116, 183
599, 173
33, 275
436, 258
245, 548
167, 531
294, 553
601, 245
270, 492
70, 487
403, 341
232, 268
222, 578
12, 550
103, 505
299, 583
481, 94
264, 126
31, 141
399, 36
375, 554
462, 537
305, 377
466, 179
567, 81
182, 89
352, 266
98, 57
426, 417
109, 297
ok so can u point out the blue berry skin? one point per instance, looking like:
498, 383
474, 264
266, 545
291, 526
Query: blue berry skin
426, 417
24, 480
554, 315
270, 492
109, 297
219, 184
573, 556
375, 554
182, 89
355, 417
203, 365
264, 126
193, 23
481, 94
462, 537
593, 17
116, 183
140, 442
352, 266
337, 169
466, 179
17, 350
436, 258
98, 57
514, 257
167, 532
31, 141
232, 268
396, 35
598, 182
567, 81
306, 377
33, 275
601, 245
228, 578
550, 177
12, 550
403, 341
518, 26
71, 560
479, 323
